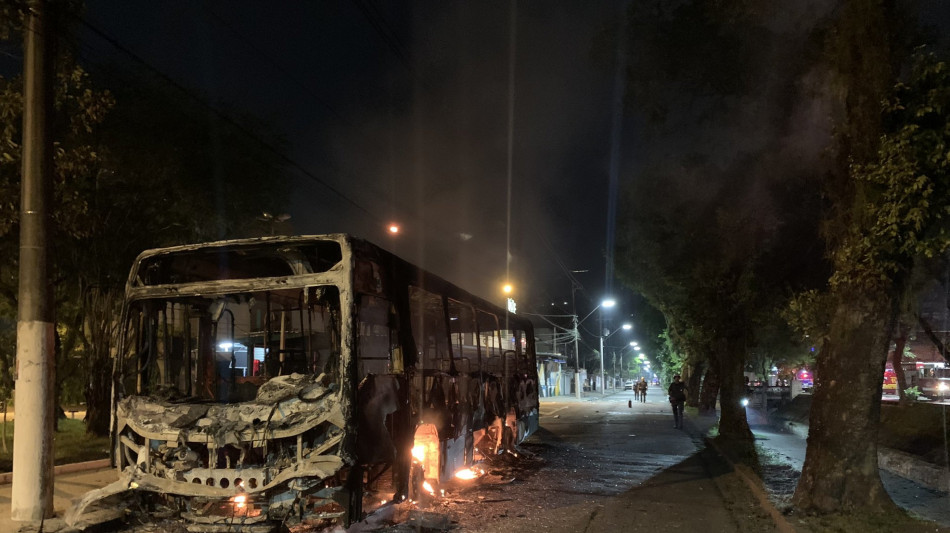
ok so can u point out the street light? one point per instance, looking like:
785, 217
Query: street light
625, 327
609, 302
630, 345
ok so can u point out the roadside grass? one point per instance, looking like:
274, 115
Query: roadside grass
70, 445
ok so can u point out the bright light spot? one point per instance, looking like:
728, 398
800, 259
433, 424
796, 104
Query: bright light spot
466, 474
507, 288
745, 402
240, 500
382, 502
419, 453
428, 487
609, 302
393, 228
226, 345
628, 326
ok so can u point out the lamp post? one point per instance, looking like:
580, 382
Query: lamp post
606, 303
603, 382
623, 350
605, 336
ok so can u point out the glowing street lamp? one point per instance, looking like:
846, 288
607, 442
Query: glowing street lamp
609, 302
393, 228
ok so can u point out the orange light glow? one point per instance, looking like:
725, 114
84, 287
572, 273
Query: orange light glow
240, 500
428, 487
419, 453
394, 228
466, 473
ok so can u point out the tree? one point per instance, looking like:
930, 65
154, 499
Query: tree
899, 218
154, 167
720, 221
78, 108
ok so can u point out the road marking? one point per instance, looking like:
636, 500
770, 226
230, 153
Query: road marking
559, 409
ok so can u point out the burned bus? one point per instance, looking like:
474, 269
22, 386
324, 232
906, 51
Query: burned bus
306, 379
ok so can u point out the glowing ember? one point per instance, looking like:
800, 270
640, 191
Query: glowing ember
419, 453
466, 473
428, 487
240, 500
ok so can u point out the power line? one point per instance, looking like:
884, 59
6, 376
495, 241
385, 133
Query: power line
378, 22
221, 115
277, 65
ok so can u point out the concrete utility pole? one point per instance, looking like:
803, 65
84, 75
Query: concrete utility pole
577, 361
32, 498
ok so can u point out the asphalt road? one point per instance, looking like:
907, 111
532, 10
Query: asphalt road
603, 466
601, 463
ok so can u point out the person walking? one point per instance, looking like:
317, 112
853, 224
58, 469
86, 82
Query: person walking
636, 391
642, 387
677, 392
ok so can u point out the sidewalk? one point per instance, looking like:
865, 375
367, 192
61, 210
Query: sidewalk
704, 492
586, 396
66, 488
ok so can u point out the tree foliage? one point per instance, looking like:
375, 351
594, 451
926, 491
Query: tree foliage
896, 223
138, 166
720, 222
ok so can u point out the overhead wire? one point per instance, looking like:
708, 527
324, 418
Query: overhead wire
392, 42
226, 118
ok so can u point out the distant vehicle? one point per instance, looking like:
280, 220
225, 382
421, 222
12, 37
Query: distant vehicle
890, 381
628, 385
934, 382
806, 378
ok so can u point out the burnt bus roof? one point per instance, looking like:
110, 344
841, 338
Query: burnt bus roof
284, 256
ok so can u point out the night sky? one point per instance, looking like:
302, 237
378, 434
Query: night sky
400, 111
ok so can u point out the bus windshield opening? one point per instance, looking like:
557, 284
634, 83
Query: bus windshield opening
222, 348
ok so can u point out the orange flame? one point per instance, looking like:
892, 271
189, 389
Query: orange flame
419, 453
428, 487
466, 473
240, 500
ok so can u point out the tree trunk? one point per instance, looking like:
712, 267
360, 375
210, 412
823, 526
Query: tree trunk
101, 319
709, 391
928, 329
897, 360
692, 374
733, 426
840, 473
3, 437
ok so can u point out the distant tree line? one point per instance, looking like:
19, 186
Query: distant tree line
796, 195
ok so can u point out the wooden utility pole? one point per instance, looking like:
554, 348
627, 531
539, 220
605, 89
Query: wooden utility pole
32, 498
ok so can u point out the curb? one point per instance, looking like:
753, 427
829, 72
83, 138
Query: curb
754, 484
913, 468
903, 464
7, 477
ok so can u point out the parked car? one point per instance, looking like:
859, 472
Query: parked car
628, 385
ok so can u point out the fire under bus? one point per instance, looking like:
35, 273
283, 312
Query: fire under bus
289, 380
